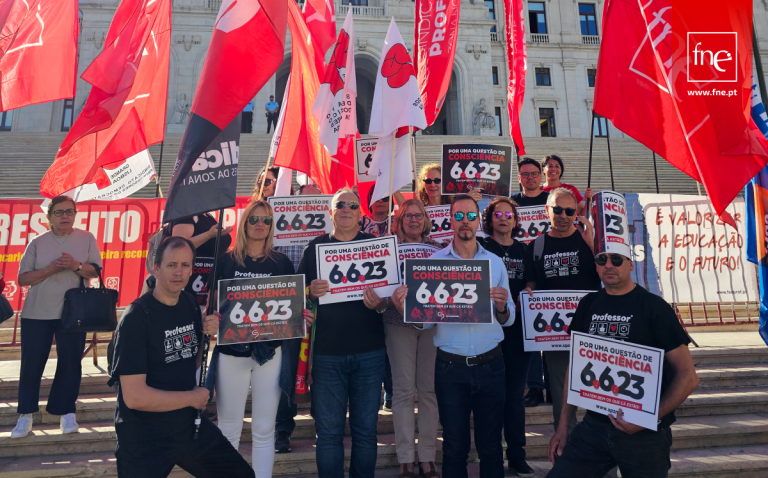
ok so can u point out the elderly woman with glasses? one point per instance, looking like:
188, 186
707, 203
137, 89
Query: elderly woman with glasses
53, 263
263, 368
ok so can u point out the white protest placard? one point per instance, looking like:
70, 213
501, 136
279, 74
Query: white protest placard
441, 222
534, 222
413, 251
352, 267
611, 227
299, 219
546, 318
364, 148
606, 375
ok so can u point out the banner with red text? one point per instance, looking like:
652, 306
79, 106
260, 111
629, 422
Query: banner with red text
121, 228
476, 166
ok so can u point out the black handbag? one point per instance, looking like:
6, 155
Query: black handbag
90, 309
6, 311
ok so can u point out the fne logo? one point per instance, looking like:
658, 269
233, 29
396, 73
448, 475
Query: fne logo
712, 57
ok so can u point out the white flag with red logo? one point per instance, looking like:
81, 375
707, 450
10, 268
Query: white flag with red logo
334, 106
396, 105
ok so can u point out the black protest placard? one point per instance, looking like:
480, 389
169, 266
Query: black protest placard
448, 291
470, 166
199, 280
208, 181
261, 309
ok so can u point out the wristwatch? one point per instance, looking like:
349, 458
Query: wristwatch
386, 305
80, 267
506, 309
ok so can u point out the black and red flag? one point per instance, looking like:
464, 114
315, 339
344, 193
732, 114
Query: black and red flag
246, 49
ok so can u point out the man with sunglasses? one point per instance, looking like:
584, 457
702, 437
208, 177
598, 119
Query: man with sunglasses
529, 176
469, 369
348, 356
601, 442
562, 259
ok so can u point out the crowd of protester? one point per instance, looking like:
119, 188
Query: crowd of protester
461, 373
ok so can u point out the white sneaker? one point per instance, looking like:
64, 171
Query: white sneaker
68, 424
23, 426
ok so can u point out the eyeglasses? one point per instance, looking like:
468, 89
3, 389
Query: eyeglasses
459, 216
353, 205
507, 214
417, 216
569, 211
534, 174
253, 220
268, 182
616, 260
62, 212
430, 181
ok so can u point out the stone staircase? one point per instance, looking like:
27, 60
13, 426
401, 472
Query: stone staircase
26, 156
721, 431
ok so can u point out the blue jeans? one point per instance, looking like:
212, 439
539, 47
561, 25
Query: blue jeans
338, 380
516, 363
595, 446
286, 414
463, 390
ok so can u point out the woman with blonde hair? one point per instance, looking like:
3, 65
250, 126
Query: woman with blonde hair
266, 368
412, 355
428, 188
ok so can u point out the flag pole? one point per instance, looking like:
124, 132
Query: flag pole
158, 192
517, 154
413, 156
264, 179
655, 172
610, 160
209, 311
589, 175
391, 178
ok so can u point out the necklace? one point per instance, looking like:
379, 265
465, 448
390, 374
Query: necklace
504, 249
56, 238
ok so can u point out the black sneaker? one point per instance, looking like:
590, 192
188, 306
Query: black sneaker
283, 442
387, 405
521, 467
549, 397
534, 398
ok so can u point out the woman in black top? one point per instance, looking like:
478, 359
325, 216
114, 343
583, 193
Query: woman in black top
266, 368
500, 224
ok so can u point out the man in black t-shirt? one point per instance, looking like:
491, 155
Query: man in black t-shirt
601, 442
529, 176
348, 356
561, 260
158, 350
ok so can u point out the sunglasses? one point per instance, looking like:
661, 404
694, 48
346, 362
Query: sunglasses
353, 205
430, 181
616, 260
382, 200
253, 220
500, 214
268, 182
62, 212
417, 216
569, 211
459, 216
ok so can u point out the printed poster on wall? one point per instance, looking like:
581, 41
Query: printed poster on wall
606, 374
299, 219
546, 318
448, 291
352, 267
476, 166
261, 309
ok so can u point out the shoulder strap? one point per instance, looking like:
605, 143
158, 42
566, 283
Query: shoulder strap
111, 347
538, 248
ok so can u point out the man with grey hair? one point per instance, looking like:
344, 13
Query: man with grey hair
348, 356
563, 259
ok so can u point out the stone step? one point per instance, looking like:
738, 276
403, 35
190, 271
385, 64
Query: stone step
716, 446
735, 375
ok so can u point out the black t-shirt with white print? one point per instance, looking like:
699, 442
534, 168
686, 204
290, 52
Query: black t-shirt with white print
637, 317
278, 265
159, 341
567, 263
512, 256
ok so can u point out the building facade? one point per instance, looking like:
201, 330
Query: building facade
563, 41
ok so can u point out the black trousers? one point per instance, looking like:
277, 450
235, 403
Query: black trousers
36, 340
146, 454
247, 123
272, 120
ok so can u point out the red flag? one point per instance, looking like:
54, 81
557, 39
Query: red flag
125, 110
300, 148
246, 50
321, 22
644, 87
517, 59
437, 28
38, 51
